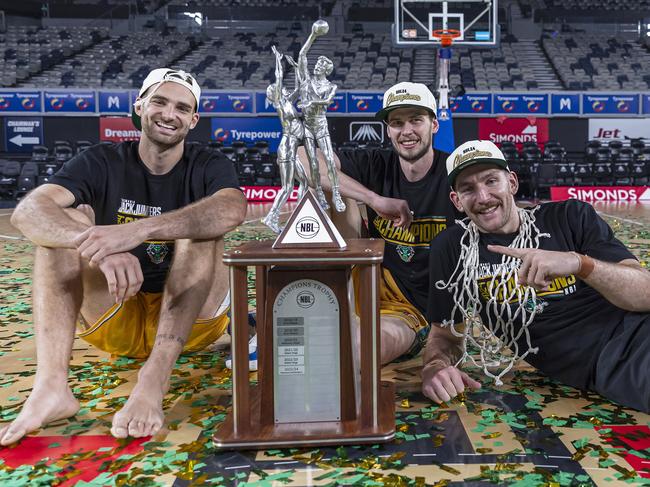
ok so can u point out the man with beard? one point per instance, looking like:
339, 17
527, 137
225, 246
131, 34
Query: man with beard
551, 284
128, 240
405, 193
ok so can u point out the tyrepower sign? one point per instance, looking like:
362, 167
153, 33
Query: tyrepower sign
117, 129
517, 130
601, 193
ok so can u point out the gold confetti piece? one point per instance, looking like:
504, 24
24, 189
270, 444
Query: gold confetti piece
449, 469
577, 456
405, 403
403, 428
438, 440
483, 451
442, 417
495, 434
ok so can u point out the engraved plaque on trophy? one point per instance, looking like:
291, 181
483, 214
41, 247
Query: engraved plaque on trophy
306, 353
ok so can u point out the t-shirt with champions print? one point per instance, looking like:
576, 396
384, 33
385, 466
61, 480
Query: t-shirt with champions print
114, 181
406, 254
575, 321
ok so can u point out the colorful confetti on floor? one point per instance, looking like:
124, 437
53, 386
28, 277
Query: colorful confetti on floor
530, 432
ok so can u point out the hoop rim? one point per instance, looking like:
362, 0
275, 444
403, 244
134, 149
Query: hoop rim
446, 36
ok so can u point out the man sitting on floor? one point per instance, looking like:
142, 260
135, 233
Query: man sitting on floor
550, 283
129, 239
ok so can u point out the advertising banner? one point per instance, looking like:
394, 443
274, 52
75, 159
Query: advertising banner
474, 104
247, 129
265, 194
512, 104
117, 129
339, 104
601, 193
232, 102
69, 101
114, 101
605, 129
262, 105
20, 101
517, 130
368, 103
568, 104
604, 104
23, 133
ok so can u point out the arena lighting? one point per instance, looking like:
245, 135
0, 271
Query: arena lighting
197, 16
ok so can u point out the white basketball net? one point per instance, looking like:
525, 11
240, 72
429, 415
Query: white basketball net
496, 340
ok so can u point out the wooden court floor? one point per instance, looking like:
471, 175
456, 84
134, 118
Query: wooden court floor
530, 432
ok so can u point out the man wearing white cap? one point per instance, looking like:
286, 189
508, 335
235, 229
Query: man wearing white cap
128, 240
550, 284
405, 192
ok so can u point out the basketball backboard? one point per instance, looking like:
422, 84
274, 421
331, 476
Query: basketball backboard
416, 20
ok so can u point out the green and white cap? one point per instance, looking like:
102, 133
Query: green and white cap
471, 153
164, 75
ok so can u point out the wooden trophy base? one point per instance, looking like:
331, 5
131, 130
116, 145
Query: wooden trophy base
287, 435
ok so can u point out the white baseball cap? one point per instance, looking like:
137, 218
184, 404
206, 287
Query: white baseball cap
406, 95
161, 75
471, 153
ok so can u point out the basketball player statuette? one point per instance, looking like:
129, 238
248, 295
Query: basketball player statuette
314, 93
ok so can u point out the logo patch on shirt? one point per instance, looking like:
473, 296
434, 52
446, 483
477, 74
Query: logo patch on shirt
157, 251
405, 253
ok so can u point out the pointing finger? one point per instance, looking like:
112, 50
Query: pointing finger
500, 249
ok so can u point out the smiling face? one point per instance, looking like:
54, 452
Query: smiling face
167, 114
411, 131
486, 194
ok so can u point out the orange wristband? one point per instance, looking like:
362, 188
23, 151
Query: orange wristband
587, 265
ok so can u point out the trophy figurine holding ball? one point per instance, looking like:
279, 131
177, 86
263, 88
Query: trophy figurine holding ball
314, 93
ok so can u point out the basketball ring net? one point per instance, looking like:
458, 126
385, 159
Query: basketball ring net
507, 302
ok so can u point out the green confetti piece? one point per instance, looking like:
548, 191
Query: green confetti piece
352, 480
608, 462
498, 443
54, 445
581, 442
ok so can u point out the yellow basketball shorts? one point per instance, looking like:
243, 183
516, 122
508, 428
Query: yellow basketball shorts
129, 329
393, 303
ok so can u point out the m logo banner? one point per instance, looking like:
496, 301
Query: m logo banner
601, 193
114, 102
367, 132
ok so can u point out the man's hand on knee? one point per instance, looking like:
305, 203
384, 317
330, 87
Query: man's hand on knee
123, 275
99, 241
445, 384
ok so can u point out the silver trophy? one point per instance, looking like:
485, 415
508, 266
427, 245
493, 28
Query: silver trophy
314, 94
293, 133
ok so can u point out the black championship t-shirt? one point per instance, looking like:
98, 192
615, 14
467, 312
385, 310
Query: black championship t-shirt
575, 321
406, 254
115, 182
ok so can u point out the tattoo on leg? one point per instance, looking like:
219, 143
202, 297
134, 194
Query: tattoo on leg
162, 337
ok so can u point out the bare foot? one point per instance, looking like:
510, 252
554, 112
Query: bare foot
43, 406
142, 415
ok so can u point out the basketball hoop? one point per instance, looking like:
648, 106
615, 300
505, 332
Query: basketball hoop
446, 36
